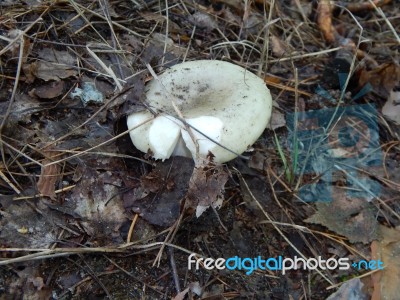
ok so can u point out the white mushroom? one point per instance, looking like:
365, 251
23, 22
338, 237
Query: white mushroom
223, 104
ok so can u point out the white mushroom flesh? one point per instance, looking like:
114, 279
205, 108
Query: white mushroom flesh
163, 136
212, 128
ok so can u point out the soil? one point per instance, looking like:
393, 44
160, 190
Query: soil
85, 215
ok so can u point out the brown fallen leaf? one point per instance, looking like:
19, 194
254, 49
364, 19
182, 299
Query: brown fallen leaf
382, 78
158, 199
206, 186
48, 90
353, 218
203, 20
278, 46
56, 56
160, 40
17, 215
29, 71
277, 118
48, 178
54, 65
387, 250
52, 71
96, 200
23, 109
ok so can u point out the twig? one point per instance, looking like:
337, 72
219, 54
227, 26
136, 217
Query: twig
300, 56
107, 69
4, 177
64, 189
174, 270
130, 232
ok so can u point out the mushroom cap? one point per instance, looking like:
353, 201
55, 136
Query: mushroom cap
225, 102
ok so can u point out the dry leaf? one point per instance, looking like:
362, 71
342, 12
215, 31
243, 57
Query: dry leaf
49, 90
387, 250
59, 57
51, 71
257, 161
353, 218
160, 40
158, 200
206, 186
54, 65
48, 179
24, 107
278, 46
277, 119
203, 20
383, 78
132, 100
97, 201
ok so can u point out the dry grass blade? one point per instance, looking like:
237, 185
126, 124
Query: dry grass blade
51, 253
4, 177
379, 10
108, 70
64, 189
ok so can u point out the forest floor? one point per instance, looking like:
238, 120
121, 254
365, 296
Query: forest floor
85, 215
